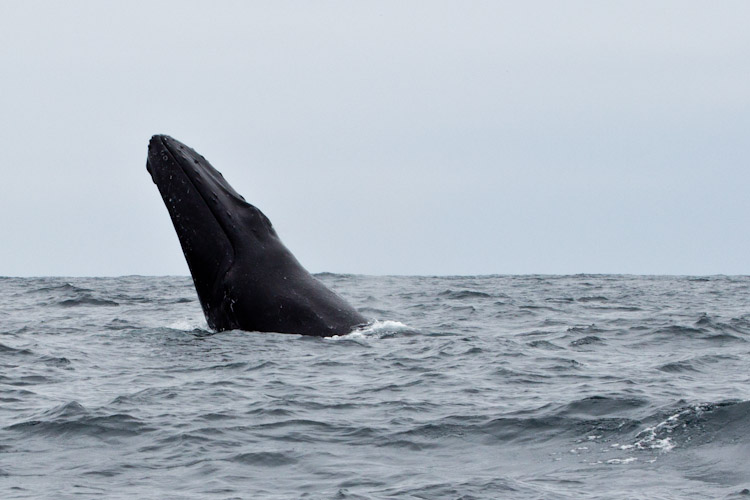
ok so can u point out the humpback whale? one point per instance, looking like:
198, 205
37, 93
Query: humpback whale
245, 277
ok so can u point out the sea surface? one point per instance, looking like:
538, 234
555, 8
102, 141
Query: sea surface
469, 387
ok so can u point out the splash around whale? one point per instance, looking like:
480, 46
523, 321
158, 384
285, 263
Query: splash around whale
245, 277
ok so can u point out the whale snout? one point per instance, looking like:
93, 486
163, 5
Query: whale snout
158, 155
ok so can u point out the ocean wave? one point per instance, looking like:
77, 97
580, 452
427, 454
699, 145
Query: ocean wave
592, 298
595, 419
702, 423
266, 458
697, 364
707, 331
69, 295
463, 294
87, 301
597, 406
64, 288
73, 420
5, 349
587, 340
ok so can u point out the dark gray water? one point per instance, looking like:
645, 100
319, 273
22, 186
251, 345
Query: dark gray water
468, 387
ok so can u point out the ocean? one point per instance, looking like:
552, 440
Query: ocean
465, 387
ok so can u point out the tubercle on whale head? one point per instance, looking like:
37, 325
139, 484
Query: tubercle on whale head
160, 158
165, 150
235, 215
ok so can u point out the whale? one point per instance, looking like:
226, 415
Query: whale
245, 277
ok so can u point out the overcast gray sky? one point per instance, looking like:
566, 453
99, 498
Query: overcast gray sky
384, 137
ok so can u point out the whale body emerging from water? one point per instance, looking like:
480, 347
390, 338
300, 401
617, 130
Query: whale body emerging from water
245, 277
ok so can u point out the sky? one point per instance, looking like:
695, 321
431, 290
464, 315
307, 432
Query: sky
384, 137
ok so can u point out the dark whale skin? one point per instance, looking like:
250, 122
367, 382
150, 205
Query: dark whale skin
245, 277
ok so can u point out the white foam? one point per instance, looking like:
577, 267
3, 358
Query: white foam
650, 437
188, 325
376, 329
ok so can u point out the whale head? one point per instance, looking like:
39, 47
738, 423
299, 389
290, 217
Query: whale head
216, 227
244, 275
